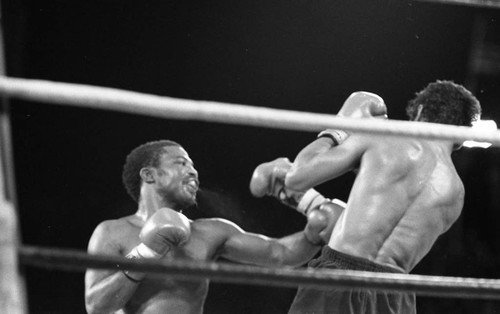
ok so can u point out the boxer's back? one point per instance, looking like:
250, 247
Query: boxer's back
406, 194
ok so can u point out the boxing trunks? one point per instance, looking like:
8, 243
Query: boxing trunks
350, 301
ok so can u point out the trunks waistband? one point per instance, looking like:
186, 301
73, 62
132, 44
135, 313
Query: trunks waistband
346, 261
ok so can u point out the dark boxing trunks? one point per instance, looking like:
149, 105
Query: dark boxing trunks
350, 301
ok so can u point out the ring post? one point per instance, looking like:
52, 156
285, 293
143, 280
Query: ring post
12, 289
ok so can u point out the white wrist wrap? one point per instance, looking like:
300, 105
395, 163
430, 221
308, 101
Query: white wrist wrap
309, 200
337, 136
339, 202
143, 251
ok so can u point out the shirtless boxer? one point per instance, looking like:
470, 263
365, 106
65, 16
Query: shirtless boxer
406, 193
161, 178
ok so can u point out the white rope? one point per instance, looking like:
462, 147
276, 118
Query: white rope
173, 108
472, 3
436, 286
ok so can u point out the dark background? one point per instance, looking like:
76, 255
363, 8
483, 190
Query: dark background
294, 54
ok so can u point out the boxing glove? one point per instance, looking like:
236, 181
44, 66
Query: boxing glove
164, 229
317, 221
357, 105
269, 179
322, 220
363, 105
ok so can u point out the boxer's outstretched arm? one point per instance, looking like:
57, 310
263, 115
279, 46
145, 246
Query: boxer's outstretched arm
251, 248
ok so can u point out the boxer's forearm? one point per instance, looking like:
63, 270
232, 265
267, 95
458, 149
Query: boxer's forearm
304, 173
297, 249
110, 293
250, 248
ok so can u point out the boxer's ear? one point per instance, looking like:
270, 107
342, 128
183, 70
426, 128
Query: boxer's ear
147, 174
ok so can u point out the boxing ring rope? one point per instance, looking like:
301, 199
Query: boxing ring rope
472, 3
173, 108
435, 286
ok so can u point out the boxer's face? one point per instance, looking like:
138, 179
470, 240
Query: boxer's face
177, 179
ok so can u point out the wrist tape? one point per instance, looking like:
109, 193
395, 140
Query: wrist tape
134, 280
309, 200
142, 251
337, 136
338, 202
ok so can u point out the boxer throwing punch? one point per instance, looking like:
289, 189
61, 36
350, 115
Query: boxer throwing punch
161, 178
